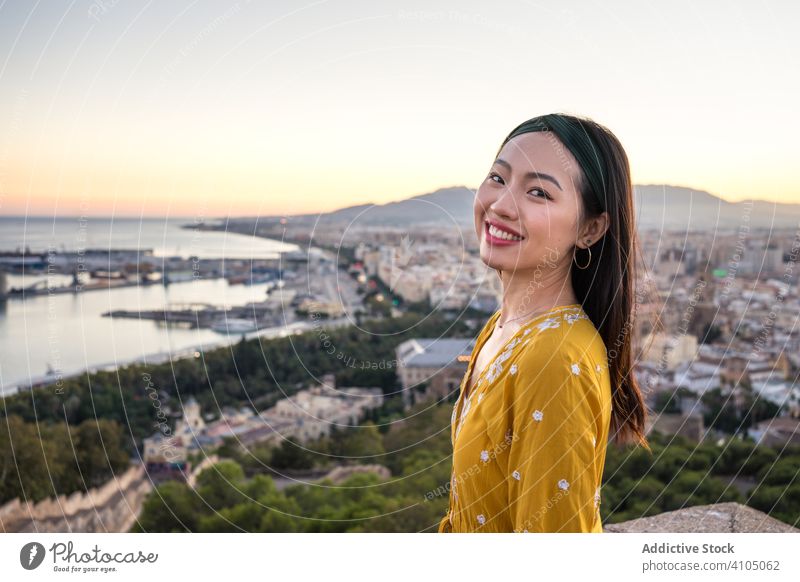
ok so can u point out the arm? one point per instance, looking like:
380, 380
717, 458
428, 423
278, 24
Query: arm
553, 472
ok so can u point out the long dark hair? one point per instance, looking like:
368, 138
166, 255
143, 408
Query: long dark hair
606, 288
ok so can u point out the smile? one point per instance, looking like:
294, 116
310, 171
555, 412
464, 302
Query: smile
498, 236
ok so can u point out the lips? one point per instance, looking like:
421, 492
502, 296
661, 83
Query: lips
503, 227
500, 235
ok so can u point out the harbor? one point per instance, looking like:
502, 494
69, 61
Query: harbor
104, 269
52, 326
252, 316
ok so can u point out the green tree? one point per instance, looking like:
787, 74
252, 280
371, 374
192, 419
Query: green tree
98, 452
291, 455
221, 485
364, 442
171, 507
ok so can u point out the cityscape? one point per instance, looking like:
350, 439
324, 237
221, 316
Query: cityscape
333, 367
346, 267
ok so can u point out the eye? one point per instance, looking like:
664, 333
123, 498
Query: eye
546, 195
493, 175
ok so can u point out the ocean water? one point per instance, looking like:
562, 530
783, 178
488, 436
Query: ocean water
67, 333
164, 236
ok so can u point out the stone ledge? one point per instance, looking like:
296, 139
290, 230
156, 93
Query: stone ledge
728, 517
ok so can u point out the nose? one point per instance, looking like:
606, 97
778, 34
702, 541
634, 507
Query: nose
505, 206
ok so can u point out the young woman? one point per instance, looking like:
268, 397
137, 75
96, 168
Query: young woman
550, 376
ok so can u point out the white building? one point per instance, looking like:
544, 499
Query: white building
432, 367
314, 411
670, 351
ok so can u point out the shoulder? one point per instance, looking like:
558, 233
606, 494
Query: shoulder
564, 338
565, 359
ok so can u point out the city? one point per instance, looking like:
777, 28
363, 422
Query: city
714, 336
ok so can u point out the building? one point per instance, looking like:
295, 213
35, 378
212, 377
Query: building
670, 351
698, 376
432, 368
165, 454
191, 423
777, 432
305, 416
687, 425
310, 414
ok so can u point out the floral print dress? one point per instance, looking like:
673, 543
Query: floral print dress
529, 442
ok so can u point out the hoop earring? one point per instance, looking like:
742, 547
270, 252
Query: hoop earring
587, 262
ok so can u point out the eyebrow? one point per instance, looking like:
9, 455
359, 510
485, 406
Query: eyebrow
539, 175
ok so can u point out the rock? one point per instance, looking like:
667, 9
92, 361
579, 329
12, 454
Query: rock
716, 518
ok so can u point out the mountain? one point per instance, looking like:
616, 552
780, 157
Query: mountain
675, 207
446, 205
656, 206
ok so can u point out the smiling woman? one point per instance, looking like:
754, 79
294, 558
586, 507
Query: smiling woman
530, 431
531, 436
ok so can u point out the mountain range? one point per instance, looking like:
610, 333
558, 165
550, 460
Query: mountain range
657, 206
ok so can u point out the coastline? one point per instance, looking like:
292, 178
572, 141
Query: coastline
157, 358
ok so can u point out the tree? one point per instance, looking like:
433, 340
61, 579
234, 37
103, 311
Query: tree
710, 333
98, 452
291, 455
360, 442
171, 507
221, 484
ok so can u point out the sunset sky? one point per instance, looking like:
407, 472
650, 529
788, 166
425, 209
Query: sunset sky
118, 107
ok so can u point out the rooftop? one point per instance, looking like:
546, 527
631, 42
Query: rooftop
425, 352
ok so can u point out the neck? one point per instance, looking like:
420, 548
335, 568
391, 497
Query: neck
526, 293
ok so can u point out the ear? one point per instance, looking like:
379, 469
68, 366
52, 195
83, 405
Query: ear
593, 230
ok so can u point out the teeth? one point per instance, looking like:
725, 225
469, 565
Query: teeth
496, 232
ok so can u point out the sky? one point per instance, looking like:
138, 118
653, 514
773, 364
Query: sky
213, 109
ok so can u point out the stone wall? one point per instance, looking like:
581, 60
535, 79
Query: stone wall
717, 518
112, 507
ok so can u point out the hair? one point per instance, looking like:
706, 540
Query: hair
606, 287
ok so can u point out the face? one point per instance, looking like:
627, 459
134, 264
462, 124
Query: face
528, 208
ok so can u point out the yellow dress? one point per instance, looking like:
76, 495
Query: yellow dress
529, 444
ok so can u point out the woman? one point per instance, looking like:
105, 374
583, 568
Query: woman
554, 217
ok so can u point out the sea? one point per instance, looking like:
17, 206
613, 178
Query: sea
65, 334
